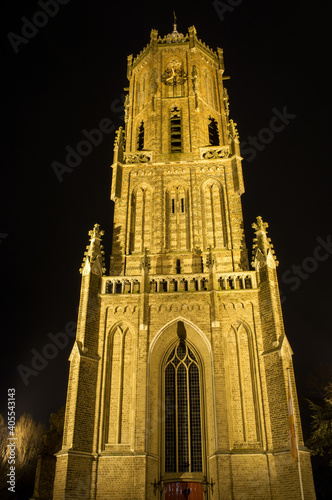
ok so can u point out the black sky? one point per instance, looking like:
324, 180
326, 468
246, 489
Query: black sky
69, 76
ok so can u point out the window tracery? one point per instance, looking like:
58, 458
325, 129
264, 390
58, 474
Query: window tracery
183, 433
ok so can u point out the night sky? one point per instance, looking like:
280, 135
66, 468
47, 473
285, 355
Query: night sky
69, 76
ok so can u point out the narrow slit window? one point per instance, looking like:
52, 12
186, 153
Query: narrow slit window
182, 204
173, 206
178, 266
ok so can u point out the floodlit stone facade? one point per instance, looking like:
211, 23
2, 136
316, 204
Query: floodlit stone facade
178, 384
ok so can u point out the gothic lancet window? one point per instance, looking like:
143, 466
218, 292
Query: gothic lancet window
175, 132
209, 89
214, 230
177, 228
213, 132
141, 219
183, 434
140, 137
118, 389
243, 385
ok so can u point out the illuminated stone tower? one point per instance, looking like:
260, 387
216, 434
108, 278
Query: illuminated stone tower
178, 376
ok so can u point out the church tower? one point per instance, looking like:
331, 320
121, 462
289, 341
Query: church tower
179, 375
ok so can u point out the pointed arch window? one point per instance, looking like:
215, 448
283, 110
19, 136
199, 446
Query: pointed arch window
183, 434
118, 389
140, 137
213, 132
245, 417
176, 130
210, 89
141, 219
177, 227
214, 229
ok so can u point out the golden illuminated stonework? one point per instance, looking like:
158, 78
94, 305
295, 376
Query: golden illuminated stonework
178, 384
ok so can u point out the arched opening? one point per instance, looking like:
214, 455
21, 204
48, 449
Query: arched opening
214, 229
183, 426
117, 402
140, 233
245, 423
177, 227
195, 350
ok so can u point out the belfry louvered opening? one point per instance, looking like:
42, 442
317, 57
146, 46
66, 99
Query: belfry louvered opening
183, 434
176, 130
140, 137
213, 132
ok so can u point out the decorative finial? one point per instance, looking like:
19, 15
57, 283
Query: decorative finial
259, 225
232, 131
93, 260
96, 232
175, 36
262, 248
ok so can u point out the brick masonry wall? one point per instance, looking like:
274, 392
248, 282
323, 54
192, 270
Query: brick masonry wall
113, 443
